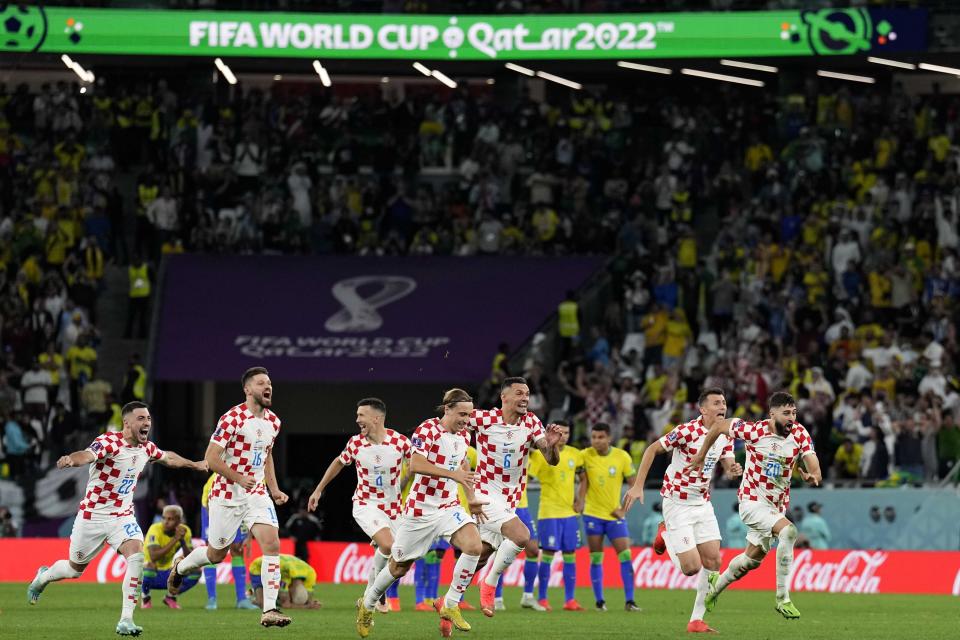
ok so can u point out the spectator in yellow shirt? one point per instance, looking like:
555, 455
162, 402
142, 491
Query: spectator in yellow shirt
846, 462
678, 337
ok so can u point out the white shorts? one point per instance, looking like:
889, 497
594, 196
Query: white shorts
89, 536
372, 519
688, 525
414, 536
226, 519
497, 512
760, 518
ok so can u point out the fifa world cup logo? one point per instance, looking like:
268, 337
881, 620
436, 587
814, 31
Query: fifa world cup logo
359, 312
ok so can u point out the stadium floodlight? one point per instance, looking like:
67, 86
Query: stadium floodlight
73, 65
421, 68
644, 67
939, 69
225, 70
722, 77
749, 65
519, 69
322, 72
559, 80
892, 63
846, 76
444, 78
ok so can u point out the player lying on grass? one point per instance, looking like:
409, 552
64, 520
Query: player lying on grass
297, 580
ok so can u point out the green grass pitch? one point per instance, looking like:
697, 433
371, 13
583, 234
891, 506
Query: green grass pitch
82, 611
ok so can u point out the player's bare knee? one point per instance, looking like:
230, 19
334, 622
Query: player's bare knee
385, 549
399, 569
472, 547
711, 562
690, 568
215, 555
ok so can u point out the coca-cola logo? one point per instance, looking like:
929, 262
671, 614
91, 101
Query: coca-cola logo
956, 584
853, 574
111, 566
351, 566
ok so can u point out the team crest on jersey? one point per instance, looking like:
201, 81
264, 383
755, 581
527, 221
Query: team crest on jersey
96, 447
613, 471
570, 463
222, 540
417, 442
672, 436
510, 434
378, 459
259, 432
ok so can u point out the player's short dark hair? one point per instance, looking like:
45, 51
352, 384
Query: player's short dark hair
781, 399
601, 426
562, 422
509, 382
252, 371
706, 393
130, 407
374, 403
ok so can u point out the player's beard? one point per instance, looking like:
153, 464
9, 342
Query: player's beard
782, 429
263, 402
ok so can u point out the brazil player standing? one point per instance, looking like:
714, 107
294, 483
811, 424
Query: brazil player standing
607, 467
557, 516
164, 540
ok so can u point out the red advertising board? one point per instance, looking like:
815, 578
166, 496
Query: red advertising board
835, 571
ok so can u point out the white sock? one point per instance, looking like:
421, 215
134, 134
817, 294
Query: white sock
699, 605
786, 538
196, 559
59, 570
506, 554
462, 577
738, 567
379, 587
131, 585
379, 562
270, 578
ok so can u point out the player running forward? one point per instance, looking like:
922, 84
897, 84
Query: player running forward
690, 526
379, 454
504, 437
774, 446
164, 540
237, 566
106, 511
606, 468
297, 580
557, 516
433, 510
240, 452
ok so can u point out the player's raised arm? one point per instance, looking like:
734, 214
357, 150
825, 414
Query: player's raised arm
335, 467
549, 445
731, 468
76, 459
719, 427
474, 503
176, 461
461, 475
635, 493
812, 474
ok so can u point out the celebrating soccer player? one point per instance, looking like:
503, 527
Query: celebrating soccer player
433, 510
106, 512
774, 446
164, 540
607, 467
504, 437
557, 516
690, 530
379, 454
240, 452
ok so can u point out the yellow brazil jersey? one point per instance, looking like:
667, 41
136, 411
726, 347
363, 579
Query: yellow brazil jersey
605, 475
557, 483
157, 537
523, 504
291, 568
205, 496
472, 459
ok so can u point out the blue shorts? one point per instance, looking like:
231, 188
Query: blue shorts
559, 534
157, 579
613, 529
205, 523
524, 514
440, 545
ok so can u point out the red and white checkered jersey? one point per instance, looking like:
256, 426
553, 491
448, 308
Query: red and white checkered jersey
685, 440
113, 475
378, 470
247, 441
770, 461
442, 448
502, 453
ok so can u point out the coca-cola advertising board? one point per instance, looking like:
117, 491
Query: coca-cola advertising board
835, 571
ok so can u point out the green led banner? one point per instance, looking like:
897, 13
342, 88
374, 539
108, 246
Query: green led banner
77, 30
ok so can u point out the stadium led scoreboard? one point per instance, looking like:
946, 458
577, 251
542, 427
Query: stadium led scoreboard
133, 32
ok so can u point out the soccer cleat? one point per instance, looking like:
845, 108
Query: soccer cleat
274, 618
426, 605
601, 605
35, 588
212, 604
451, 614
146, 603
487, 595
699, 626
127, 628
710, 601
499, 605
631, 606
542, 605
171, 602
572, 605
174, 580
394, 604
466, 606
527, 601
383, 607
788, 610
242, 604
659, 544
364, 619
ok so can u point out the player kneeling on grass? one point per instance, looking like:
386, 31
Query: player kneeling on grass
774, 446
164, 539
297, 579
